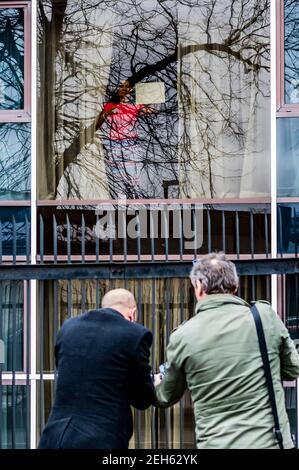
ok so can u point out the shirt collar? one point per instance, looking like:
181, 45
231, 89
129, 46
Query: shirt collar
216, 300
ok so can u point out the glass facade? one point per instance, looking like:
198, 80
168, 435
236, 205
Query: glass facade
154, 101
138, 100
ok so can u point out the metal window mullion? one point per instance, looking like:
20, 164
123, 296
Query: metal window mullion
33, 283
1, 366
153, 410
27, 365
41, 356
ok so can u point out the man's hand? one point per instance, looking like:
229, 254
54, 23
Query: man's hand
157, 379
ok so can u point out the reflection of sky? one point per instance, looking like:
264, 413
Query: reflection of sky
14, 161
11, 58
291, 9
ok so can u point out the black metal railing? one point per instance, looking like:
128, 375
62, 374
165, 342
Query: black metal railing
78, 259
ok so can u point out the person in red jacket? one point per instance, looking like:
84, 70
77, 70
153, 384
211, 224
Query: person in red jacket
125, 160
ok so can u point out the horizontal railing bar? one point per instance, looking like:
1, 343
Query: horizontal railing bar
122, 202
133, 270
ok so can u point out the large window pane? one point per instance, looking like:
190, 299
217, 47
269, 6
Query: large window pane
14, 161
291, 38
162, 305
11, 58
154, 99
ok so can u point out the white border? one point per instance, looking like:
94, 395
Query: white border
33, 284
273, 149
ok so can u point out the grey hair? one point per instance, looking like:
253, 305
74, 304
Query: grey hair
216, 273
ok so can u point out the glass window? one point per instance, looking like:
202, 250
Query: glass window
292, 323
291, 57
13, 428
11, 58
12, 325
14, 231
288, 157
15, 168
152, 100
287, 228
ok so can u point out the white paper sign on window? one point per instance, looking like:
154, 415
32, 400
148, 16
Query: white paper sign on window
150, 93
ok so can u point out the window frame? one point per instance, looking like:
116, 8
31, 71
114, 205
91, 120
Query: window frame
22, 115
283, 109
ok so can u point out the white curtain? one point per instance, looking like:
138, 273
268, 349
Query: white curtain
224, 104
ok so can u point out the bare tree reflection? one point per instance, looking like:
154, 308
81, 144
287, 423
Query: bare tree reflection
199, 50
14, 161
11, 58
14, 137
291, 49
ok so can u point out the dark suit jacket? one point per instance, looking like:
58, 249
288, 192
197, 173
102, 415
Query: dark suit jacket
103, 368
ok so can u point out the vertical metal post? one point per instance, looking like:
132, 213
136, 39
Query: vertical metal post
27, 231
237, 234
55, 238
251, 234
182, 410
209, 230
14, 240
68, 239
223, 231
266, 233
83, 228
41, 238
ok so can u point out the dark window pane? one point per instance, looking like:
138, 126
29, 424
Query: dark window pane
288, 157
292, 409
292, 323
292, 305
14, 220
12, 324
291, 39
287, 228
14, 430
15, 161
11, 58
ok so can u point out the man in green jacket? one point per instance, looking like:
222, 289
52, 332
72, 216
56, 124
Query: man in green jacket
217, 357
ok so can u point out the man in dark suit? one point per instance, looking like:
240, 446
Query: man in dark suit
102, 358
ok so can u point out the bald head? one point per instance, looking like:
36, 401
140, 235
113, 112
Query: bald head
121, 300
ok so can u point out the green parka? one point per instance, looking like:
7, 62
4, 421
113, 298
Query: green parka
216, 356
